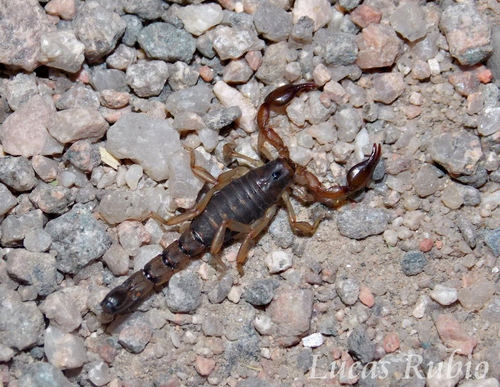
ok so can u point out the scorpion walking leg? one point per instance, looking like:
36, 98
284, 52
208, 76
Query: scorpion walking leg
279, 97
223, 180
357, 178
303, 228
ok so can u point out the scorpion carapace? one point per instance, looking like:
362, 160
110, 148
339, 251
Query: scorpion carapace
239, 203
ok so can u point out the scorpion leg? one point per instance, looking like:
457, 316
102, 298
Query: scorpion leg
229, 151
223, 180
200, 172
357, 178
279, 97
303, 228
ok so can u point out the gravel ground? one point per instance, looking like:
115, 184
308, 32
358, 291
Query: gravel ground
97, 100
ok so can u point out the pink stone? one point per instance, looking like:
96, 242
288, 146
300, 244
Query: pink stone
391, 342
378, 46
366, 296
465, 83
453, 335
425, 245
204, 366
254, 59
364, 15
206, 73
65, 9
387, 87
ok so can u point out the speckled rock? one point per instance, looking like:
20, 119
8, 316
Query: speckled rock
15, 227
17, 173
378, 46
260, 292
61, 50
77, 124
231, 42
362, 221
272, 22
52, 199
413, 263
21, 323
360, 345
36, 269
64, 350
43, 374
62, 312
183, 292
166, 42
147, 78
78, 238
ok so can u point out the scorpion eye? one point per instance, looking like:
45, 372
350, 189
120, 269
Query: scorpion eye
276, 175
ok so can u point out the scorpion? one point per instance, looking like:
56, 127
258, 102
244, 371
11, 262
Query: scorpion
242, 202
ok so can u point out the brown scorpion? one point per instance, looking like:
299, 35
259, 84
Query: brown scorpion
239, 203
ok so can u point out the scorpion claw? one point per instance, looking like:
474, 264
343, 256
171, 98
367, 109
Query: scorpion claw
360, 175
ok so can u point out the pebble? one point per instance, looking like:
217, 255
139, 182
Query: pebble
147, 78
98, 29
426, 181
166, 42
362, 221
78, 96
117, 259
62, 312
313, 341
221, 290
132, 176
217, 119
360, 346
474, 297
348, 290
387, 87
123, 57
198, 19
302, 31
20, 89
468, 35
24, 132
408, 21
492, 239
23, 52
15, 227
454, 335
237, 71
17, 173
366, 296
65, 9
448, 377
7, 200
183, 294
319, 11
109, 79
349, 123
77, 124
273, 22
444, 295
21, 323
365, 14
421, 306
378, 46
33, 269
135, 335
133, 27
263, 324
451, 197
278, 261
260, 292
184, 186
273, 63
52, 199
204, 366
119, 205
413, 263
458, 151
61, 50
491, 312
78, 238
232, 43
83, 155
158, 142
230, 97
391, 342
43, 374
489, 382
98, 373
212, 326
291, 312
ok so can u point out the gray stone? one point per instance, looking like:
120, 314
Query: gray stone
387, 87
21, 323
20, 89
78, 96
34, 269
221, 289
147, 78
348, 290
492, 239
64, 350
362, 221
104, 79
219, 118
360, 345
61, 50
43, 374
22, 24
145, 9
183, 293
133, 27
78, 238
119, 205
426, 181
302, 31
349, 123
408, 20
52, 199
272, 22
467, 230
17, 173
182, 76
15, 227
195, 99
7, 200
274, 63
122, 57
260, 292
98, 29
340, 49
467, 33
62, 312
231, 43
166, 42
152, 147
413, 263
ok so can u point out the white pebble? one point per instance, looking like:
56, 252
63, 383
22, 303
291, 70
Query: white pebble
444, 295
132, 176
278, 261
419, 310
434, 66
362, 140
263, 324
313, 341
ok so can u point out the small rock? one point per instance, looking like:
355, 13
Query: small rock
366, 296
183, 292
17, 173
360, 345
452, 197
119, 205
273, 63
108, 79
413, 263
474, 297
362, 221
98, 373
62, 312
166, 42
14, 227
388, 87
61, 50
348, 290
491, 312
65, 9
117, 259
147, 78
64, 350
7, 200
426, 181
204, 366
83, 155
272, 22
20, 89
135, 336
378, 46
221, 290
77, 124
133, 27
319, 11
468, 35
212, 326
219, 118
230, 97
444, 295
391, 342
260, 292
453, 335
232, 43
123, 57
43, 374
313, 341
364, 15
79, 96
263, 324
278, 261
408, 21
52, 199
199, 18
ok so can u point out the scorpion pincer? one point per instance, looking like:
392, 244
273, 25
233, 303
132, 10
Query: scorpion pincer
239, 203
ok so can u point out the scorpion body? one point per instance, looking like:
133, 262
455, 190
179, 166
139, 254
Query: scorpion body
238, 204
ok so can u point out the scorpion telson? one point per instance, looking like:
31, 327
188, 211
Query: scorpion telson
240, 202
